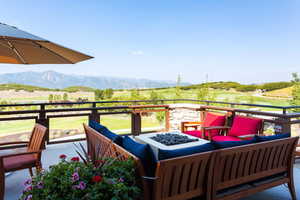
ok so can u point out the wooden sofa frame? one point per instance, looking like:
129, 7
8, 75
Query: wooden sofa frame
255, 166
208, 174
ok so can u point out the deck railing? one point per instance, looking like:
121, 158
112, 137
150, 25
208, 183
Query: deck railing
43, 112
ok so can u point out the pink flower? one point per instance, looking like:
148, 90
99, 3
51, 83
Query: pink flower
75, 177
121, 180
28, 188
29, 197
40, 185
28, 182
80, 186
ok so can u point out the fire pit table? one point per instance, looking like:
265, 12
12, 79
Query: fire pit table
169, 141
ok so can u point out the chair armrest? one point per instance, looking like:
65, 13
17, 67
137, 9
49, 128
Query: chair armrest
194, 125
246, 136
210, 128
20, 154
10, 143
216, 128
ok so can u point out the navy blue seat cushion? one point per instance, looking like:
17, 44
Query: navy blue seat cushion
166, 154
106, 132
272, 137
227, 144
143, 152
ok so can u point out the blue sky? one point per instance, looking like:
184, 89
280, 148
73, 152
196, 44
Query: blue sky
249, 41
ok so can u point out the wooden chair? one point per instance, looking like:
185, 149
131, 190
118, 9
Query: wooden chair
208, 119
245, 170
24, 160
184, 178
242, 128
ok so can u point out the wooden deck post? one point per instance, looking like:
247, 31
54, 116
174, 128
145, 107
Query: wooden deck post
284, 126
94, 114
167, 118
136, 123
43, 120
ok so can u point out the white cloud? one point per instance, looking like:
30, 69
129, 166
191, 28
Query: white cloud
137, 53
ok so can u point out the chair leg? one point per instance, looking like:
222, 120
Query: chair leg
292, 190
39, 167
2, 185
30, 172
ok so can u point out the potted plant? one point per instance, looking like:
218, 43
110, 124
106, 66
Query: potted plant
79, 179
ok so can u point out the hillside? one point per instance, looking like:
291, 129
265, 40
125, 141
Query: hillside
282, 93
52, 79
18, 87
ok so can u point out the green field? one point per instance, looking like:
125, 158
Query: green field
119, 123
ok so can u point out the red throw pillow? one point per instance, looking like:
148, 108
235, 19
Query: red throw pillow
212, 119
245, 126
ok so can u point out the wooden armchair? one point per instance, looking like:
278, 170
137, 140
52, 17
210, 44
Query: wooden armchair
201, 128
24, 160
243, 128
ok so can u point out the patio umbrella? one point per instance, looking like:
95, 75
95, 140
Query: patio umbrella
20, 47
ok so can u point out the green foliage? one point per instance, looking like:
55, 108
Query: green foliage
275, 86
50, 98
135, 94
246, 88
160, 117
99, 95
78, 89
107, 179
18, 87
295, 92
65, 97
108, 93
203, 93
155, 96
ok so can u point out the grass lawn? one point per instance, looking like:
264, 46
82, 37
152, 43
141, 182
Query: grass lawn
113, 122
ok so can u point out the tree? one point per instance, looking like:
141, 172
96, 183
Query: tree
203, 93
65, 97
155, 96
99, 94
295, 92
50, 98
135, 94
108, 93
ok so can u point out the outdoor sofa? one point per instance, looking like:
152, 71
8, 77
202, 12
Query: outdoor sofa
215, 171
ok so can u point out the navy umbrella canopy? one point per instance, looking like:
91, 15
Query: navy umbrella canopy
20, 47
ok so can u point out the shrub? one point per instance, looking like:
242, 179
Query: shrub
107, 179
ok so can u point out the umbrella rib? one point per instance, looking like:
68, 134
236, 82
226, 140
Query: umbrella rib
53, 52
15, 50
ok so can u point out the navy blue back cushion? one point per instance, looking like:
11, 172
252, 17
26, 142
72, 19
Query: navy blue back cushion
166, 154
106, 132
143, 152
227, 144
272, 137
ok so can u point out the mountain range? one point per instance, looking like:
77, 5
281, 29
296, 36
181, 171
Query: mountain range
52, 79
